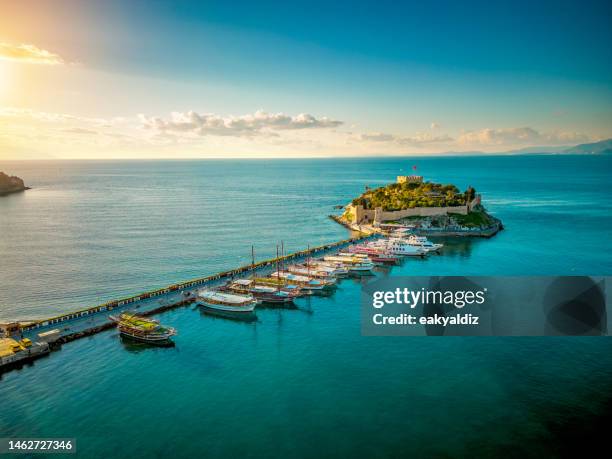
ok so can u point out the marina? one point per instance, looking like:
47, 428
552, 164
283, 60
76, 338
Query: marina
281, 289
233, 294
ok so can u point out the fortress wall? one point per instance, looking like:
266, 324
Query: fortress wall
383, 216
362, 215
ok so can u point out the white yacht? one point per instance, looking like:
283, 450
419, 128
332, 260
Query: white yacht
417, 241
399, 246
353, 264
423, 242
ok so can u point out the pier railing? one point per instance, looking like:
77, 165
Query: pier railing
110, 305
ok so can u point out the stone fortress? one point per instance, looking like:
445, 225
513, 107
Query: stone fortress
358, 215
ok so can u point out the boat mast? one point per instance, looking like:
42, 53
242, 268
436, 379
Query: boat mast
277, 271
252, 261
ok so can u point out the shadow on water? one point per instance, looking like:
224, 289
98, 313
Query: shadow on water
244, 317
136, 347
456, 247
280, 306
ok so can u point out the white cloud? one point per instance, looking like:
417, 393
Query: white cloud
434, 125
519, 136
246, 125
420, 138
28, 53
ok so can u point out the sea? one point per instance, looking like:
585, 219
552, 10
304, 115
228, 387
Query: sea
298, 383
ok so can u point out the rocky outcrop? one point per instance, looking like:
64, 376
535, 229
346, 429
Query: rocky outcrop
11, 184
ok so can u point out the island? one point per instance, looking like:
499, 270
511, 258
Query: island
11, 184
425, 208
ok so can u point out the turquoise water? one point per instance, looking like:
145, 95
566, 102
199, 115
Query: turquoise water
295, 383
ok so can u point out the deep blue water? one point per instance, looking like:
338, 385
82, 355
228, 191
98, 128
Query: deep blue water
295, 383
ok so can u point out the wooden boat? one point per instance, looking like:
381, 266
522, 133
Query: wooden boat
375, 255
263, 293
354, 264
304, 282
143, 329
332, 269
309, 271
226, 302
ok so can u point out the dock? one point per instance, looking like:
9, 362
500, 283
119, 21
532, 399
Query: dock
95, 319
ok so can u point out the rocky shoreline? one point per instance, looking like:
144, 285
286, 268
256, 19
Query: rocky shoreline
488, 231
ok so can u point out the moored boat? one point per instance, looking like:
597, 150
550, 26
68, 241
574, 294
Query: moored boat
423, 242
226, 302
332, 269
375, 255
311, 272
417, 241
143, 329
355, 265
263, 293
398, 246
304, 282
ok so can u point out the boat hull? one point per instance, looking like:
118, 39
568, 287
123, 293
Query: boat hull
249, 308
164, 342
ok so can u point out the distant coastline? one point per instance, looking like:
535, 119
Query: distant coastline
11, 184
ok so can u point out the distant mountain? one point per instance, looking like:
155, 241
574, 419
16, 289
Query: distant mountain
535, 150
603, 147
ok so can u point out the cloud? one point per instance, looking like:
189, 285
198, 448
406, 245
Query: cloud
519, 136
28, 53
247, 125
434, 125
416, 140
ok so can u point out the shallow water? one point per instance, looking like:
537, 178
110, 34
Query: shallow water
295, 382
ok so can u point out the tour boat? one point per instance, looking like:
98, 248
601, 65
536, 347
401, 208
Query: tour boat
305, 282
417, 241
332, 269
398, 246
353, 264
311, 272
143, 329
226, 302
423, 242
263, 293
376, 255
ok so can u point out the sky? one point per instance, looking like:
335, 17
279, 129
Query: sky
114, 79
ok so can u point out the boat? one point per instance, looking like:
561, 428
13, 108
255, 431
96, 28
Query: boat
332, 269
417, 241
143, 329
356, 265
423, 242
311, 271
304, 282
226, 302
398, 246
374, 254
263, 293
